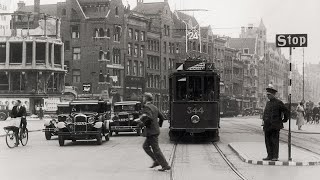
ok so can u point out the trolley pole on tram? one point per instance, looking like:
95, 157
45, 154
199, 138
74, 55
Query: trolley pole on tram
291, 40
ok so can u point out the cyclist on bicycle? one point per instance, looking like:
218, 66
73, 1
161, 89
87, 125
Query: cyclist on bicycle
19, 111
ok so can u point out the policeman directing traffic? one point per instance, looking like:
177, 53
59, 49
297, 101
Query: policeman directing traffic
273, 122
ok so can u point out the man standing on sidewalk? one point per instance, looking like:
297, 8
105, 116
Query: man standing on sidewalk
273, 122
149, 118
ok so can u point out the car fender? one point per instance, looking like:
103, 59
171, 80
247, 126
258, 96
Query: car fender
46, 122
61, 125
98, 125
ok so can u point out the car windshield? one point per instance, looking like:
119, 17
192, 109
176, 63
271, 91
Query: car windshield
63, 110
120, 108
86, 108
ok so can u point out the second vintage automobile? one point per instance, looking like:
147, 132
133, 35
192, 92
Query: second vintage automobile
50, 125
125, 113
89, 120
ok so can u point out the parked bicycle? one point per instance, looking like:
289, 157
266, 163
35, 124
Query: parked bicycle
11, 136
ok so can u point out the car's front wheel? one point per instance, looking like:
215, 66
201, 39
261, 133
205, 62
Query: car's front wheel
48, 135
61, 140
99, 139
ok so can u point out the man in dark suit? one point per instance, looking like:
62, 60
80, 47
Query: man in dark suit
149, 118
19, 111
273, 122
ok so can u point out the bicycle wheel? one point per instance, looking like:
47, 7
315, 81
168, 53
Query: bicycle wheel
10, 139
24, 137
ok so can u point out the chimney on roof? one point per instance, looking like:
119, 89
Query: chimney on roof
139, 2
36, 6
21, 4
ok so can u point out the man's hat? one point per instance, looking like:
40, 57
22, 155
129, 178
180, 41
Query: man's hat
271, 89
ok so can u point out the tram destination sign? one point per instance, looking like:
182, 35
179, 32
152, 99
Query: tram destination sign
291, 40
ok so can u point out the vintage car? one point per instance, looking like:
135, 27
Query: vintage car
89, 120
125, 113
4, 112
50, 124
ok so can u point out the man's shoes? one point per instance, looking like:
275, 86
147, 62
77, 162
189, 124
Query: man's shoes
267, 159
16, 144
164, 168
274, 159
155, 164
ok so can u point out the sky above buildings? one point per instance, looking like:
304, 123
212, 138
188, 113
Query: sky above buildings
227, 16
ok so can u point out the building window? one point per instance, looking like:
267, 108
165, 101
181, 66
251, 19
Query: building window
135, 50
76, 76
117, 80
246, 51
141, 69
142, 36
177, 48
128, 67
101, 77
136, 35
116, 56
75, 32
67, 66
107, 55
165, 47
108, 33
129, 49
67, 45
76, 52
64, 12
116, 36
135, 68
165, 82
130, 33
165, 63
142, 51
117, 11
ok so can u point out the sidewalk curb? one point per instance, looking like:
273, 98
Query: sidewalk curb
244, 158
3, 135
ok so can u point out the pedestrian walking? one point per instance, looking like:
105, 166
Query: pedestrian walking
41, 112
273, 122
300, 115
149, 118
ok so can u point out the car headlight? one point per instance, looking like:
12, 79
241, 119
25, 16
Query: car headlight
91, 120
53, 121
131, 117
195, 119
68, 120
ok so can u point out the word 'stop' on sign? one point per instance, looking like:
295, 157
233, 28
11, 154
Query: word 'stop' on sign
291, 40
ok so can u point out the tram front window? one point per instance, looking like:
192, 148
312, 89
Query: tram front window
194, 89
209, 90
181, 85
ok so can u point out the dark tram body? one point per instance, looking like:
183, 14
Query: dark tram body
229, 107
194, 100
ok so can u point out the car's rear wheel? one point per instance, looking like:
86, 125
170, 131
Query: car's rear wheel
48, 135
99, 139
61, 140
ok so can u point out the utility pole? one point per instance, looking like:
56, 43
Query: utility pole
303, 74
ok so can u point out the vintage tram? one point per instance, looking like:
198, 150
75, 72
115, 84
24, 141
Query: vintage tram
194, 90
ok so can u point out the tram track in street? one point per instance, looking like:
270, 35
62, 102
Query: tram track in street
217, 148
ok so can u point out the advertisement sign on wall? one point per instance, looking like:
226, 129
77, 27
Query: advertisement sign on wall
50, 104
10, 102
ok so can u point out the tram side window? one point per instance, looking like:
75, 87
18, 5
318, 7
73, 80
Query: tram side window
195, 88
181, 88
209, 89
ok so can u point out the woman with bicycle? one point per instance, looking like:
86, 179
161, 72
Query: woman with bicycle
19, 111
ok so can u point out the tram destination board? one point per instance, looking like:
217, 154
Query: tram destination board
198, 66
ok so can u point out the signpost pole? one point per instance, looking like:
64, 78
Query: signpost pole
290, 84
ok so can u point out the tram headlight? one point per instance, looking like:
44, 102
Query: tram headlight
195, 119
91, 120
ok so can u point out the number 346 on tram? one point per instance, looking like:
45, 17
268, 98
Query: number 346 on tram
194, 100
